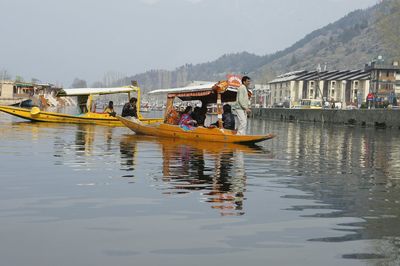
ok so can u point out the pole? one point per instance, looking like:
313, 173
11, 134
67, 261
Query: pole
219, 110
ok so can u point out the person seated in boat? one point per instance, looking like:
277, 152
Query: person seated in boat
186, 121
172, 116
82, 101
129, 108
228, 119
199, 115
109, 108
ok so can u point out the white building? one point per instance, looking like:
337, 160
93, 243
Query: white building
347, 87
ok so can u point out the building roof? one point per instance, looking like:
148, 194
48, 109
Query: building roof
362, 76
345, 75
288, 76
355, 74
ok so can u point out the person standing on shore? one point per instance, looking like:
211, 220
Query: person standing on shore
242, 105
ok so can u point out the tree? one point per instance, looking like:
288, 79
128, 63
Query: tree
97, 84
293, 60
35, 80
113, 79
4, 75
388, 24
79, 83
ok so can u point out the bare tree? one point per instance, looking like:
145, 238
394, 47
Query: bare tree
79, 83
97, 84
4, 75
19, 78
113, 79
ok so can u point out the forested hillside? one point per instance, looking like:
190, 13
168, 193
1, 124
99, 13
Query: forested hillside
350, 43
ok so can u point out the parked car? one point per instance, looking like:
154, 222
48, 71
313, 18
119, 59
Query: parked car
285, 104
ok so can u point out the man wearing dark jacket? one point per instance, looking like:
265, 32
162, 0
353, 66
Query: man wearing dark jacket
129, 108
228, 119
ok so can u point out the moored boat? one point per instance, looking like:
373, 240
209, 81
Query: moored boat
88, 117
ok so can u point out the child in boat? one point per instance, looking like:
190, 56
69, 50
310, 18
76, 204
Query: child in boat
199, 115
228, 119
110, 108
186, 121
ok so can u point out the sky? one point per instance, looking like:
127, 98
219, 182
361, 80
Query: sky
58, 40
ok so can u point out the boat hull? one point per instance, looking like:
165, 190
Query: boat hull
197, 134
87, 118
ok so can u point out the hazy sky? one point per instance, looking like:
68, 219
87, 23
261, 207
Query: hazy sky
58, 40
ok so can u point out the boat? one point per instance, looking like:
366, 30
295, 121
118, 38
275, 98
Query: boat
85, 99
207, 94
24, 103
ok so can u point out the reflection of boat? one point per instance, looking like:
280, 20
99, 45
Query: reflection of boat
215, 170
220, 92
87, 117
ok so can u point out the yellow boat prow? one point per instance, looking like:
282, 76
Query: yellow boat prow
35, 114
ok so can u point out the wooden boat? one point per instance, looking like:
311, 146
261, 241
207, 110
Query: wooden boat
89, 117
209, 93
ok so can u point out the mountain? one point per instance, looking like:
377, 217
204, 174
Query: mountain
348, 43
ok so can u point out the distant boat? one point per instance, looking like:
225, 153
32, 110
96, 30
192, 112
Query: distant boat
145, 107
87, 117
28, 103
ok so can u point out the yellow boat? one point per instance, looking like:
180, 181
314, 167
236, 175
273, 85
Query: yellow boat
87, 94
208, 93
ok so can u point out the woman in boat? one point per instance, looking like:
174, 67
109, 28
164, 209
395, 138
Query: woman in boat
186, 121
110, 108
172, 116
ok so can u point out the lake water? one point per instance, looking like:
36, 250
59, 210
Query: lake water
95, 195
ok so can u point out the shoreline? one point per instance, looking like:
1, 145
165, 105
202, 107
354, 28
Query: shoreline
380, 118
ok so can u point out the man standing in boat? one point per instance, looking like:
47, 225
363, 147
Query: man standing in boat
242, 105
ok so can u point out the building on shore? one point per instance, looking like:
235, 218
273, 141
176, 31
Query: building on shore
385, 79
261, 95
345, 88
16, 92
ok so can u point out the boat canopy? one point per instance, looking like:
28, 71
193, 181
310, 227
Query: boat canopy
99, 91
205, 93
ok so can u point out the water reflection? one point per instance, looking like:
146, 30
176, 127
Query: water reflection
355, 173
128, 152
332, 190
215, 169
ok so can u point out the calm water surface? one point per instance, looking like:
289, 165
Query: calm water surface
94, 195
